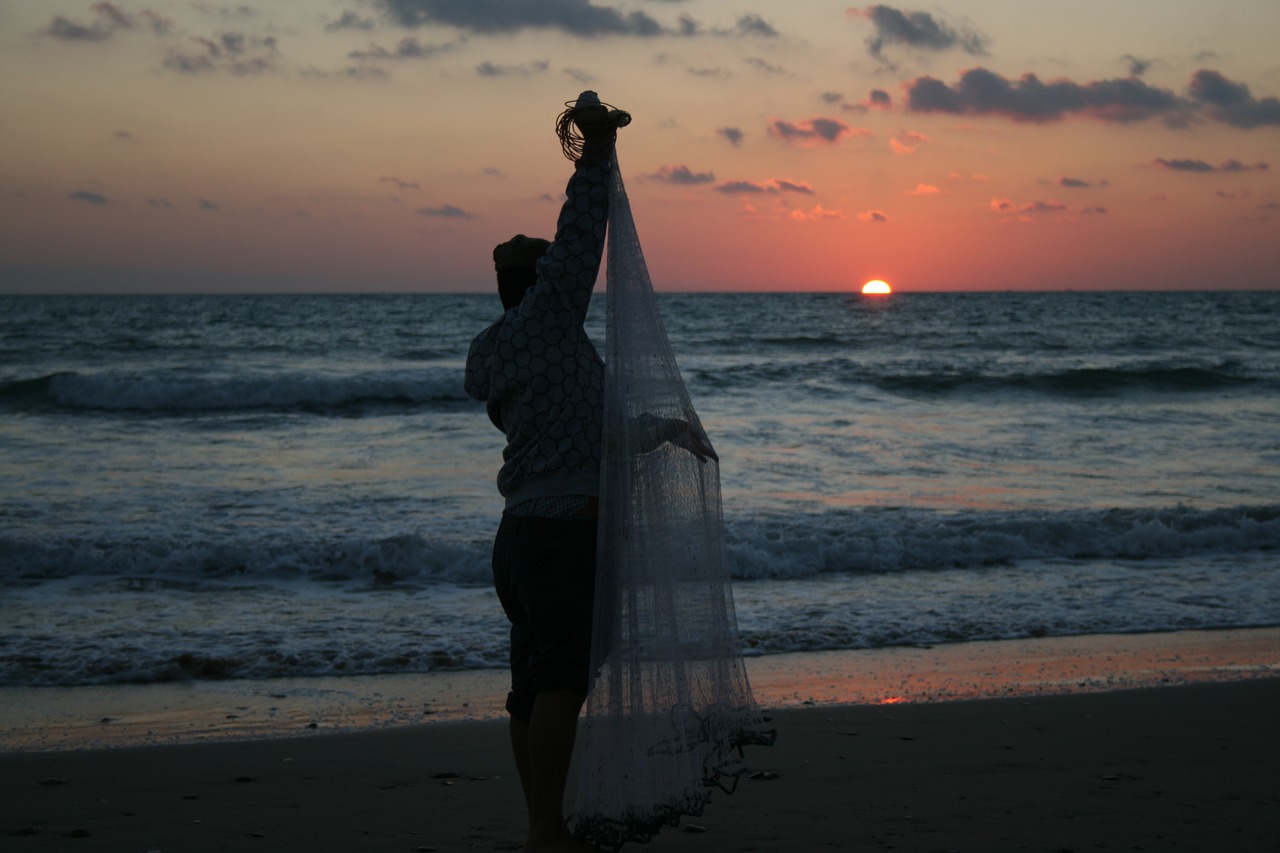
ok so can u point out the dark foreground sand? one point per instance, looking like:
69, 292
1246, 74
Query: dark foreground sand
1191, 767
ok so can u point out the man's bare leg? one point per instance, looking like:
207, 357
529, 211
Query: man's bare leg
549, 736
519, 730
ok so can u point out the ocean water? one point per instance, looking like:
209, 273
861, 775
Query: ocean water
238, 487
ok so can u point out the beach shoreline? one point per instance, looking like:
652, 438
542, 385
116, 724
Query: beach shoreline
117, 716
1190, 767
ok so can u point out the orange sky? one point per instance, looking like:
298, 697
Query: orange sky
386, 145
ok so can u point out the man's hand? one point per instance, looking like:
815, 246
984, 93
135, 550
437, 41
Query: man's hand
694, 442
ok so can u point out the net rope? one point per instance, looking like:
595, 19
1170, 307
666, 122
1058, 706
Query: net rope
670, 706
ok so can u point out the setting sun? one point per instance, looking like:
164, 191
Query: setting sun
876, 286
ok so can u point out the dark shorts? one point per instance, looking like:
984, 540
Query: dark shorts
544, 571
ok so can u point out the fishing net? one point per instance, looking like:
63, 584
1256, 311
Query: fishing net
670, 706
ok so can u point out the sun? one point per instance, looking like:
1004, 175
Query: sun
876, 287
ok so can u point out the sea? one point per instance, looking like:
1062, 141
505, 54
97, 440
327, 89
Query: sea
201, 487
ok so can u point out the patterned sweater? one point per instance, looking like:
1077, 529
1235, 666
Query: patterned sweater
537, 370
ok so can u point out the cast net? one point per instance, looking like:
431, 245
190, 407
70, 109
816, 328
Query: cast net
670, 706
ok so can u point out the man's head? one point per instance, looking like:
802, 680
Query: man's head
515, 262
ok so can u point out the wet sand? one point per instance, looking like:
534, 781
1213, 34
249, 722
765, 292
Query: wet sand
1146, 742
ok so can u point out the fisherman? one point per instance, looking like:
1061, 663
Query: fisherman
542, 382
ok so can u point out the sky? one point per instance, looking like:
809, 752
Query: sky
387, 145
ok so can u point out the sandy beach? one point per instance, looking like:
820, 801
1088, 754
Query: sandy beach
1145, 742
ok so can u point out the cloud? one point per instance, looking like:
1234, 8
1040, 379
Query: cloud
1053, 208
235, 52
1137, 66
733, 134
983, 92
205, 204
227, 13
108, 18
160, 202
581, 18
1232, 103
907, 142
918, 30
816, 130
1119, 100
575, 17
404, 185
878, 99
349, 20
817, 214
354, 72
774, 185
924, 189
873, 216
447, 211
407, 48
1073, 183
68, 30
681, 174
1189, 165
754, 25
527, 69
766, 67
87, 196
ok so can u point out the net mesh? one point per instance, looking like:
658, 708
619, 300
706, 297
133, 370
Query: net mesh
670, 706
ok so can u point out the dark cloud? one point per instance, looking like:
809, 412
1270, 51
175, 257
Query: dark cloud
1137, 67
188, 63
754, 25
349, 21
68, 30
983, 92
1034, 208
874, 216
237, 53
733, 134
108, 18
205, 204
407, 48
1073, 183
575, 17
683, 175
766, 67
447, 211
771, 186
404, 185
581, 18
817, 128
1005, 205
355, 72
918, 30
527, 69
225, 12
160, 202
733, 187
1188, 165
87, 196
792, 187
1121, 100
1233, 103
879, 99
